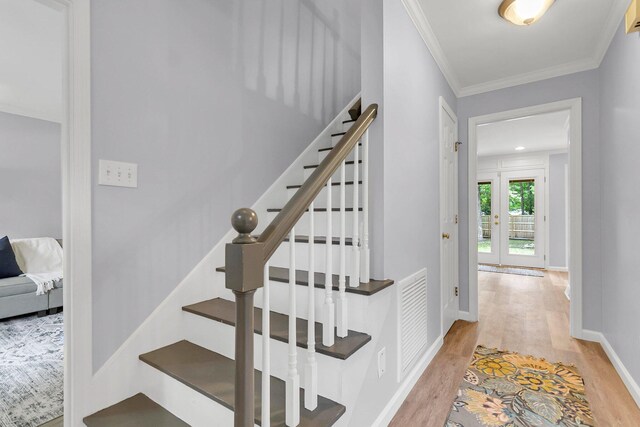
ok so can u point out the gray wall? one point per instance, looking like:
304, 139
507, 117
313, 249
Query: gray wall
213, 99
583, 85
620, 151
373, 92
557, 210
30, 177
404, 176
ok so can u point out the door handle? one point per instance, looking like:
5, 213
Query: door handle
445, 235
496, 223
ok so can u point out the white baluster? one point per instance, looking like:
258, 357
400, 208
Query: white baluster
342, 280
365, 259
354, 280
266, 351
329, 309
293, 379
311, 371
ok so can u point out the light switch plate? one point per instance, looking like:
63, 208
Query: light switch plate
118, 174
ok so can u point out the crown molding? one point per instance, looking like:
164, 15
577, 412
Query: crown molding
34, 113
421, 22
417, 15
616, 15
530, 77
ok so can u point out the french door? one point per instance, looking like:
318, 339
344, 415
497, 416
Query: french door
489, 218
511, 229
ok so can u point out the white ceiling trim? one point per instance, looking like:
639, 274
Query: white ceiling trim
417, 15
40, 114
531, 77
616, 15
421, 22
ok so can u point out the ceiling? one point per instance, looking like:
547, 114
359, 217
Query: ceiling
543, 132
478, 51
31, 35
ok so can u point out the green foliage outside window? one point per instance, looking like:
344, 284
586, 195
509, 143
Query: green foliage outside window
484, 193
522, 197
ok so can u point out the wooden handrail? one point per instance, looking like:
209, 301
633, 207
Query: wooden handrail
279, 228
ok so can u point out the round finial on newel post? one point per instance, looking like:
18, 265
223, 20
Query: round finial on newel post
244, 221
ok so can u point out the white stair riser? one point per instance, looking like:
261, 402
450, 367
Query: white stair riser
321, 200
336, 176
336, 139
279, 301
279, 295
218, 337
323, 154
281, 257
347, 126
320, 221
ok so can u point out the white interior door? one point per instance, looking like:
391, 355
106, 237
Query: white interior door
522, 221
448, 217
488, 218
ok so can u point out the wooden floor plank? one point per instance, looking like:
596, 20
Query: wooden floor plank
529, 315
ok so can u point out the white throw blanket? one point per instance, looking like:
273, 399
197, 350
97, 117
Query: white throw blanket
40, 260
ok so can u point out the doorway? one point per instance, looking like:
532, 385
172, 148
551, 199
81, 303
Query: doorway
448, 216
511, 218
574, 229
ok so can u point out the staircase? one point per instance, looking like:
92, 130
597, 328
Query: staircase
329, 213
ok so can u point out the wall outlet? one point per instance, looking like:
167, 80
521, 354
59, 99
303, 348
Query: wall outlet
118, 174
382, 362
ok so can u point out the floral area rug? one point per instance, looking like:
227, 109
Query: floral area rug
31, 370
503, 388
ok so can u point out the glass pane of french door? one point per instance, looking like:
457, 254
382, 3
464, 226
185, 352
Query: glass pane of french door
522, 217
484, 206
522, 241
488, 218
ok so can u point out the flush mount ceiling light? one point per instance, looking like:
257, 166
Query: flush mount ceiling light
519, 148
524, 12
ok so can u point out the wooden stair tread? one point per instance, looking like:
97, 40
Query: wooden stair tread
279, 274
317, 210
136, 411
213, 375
348, 162
338, 134
335, 184
225, 311
321, 240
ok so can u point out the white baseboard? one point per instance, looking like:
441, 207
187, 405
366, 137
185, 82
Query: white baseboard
592, 336
465, 315
407, 385
561, 269
627, 379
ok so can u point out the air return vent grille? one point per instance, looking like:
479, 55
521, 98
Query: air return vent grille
412, 322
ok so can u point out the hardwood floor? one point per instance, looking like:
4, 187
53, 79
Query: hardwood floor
529, 315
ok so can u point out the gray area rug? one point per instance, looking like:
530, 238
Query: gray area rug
31, 370
510, 270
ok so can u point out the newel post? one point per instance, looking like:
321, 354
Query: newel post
244, 274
